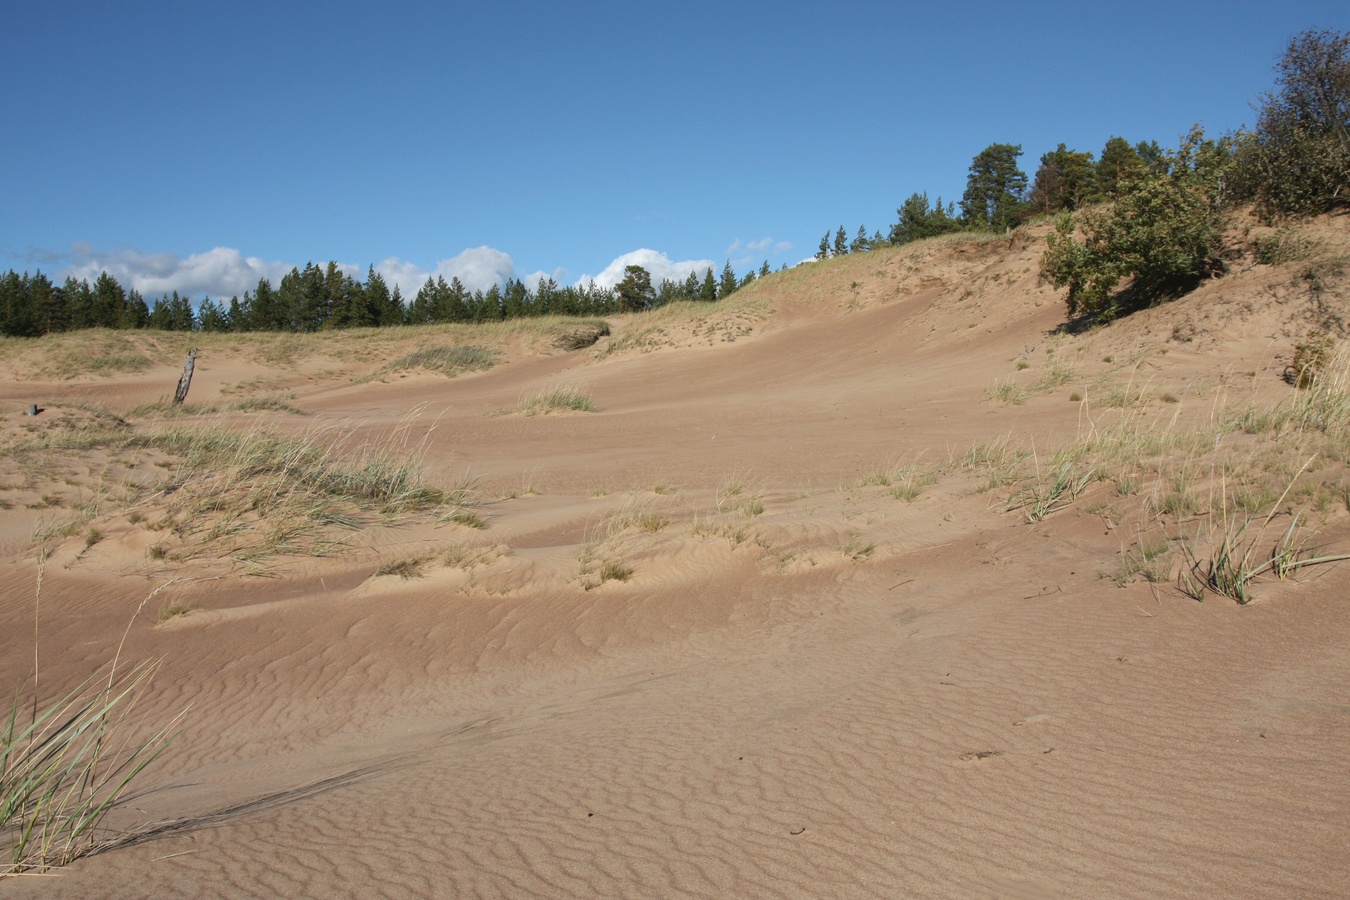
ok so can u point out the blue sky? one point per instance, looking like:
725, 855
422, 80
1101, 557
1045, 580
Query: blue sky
194, 147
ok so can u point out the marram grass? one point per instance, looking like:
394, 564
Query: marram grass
63, 767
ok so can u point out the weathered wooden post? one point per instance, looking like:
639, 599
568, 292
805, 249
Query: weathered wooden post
185, 380
32, 409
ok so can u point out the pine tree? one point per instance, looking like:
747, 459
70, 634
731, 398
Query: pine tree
78, 298
690, 291
994, 188
1118, 161
379, 303
840, 242
919, 221
634, 292
824, 251
707, 291
108, 302
210, 316
135, 314
238, 315
860, 243
728, 283
18, 317
266, 312
516, 299
51, 307
1066, 180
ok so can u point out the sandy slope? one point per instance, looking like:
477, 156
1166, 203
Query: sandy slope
844, 695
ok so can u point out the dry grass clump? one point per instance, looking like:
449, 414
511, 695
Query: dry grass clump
173, 609
1227, 554
407, 567
1000, 461
595, 569
1310, 361
610, 570
1150, 560
556, 399
468, 556
1284, 245
65, 762
733, 533
1052, 491
903, 481
686, 321
100, 353
577, 334
630, 529
245, 496
1009, 393
266, 404
858, 549
467, 517
448, 361
167, 409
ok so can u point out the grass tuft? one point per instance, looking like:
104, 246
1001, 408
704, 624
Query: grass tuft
63, 767
1053, 492
173, 609
266, 404
447, 361
556, 399
407, 568
856, 549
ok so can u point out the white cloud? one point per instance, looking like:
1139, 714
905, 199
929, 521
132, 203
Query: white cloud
658, 264
221, 272
478, 268
409, 277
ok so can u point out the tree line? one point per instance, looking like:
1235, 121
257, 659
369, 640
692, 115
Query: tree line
317, 297
998, 196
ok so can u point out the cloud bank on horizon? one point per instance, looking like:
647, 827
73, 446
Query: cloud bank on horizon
224, 272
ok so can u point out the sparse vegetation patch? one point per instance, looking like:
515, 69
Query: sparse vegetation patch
447, 361
556, 399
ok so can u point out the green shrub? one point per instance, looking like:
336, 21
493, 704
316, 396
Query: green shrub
1164, 233
1297, 159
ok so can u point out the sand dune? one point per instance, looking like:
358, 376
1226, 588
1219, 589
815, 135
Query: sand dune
767, 622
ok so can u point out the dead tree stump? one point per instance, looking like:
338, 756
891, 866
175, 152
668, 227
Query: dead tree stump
185, 380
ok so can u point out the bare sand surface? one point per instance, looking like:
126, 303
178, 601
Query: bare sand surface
815, 681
